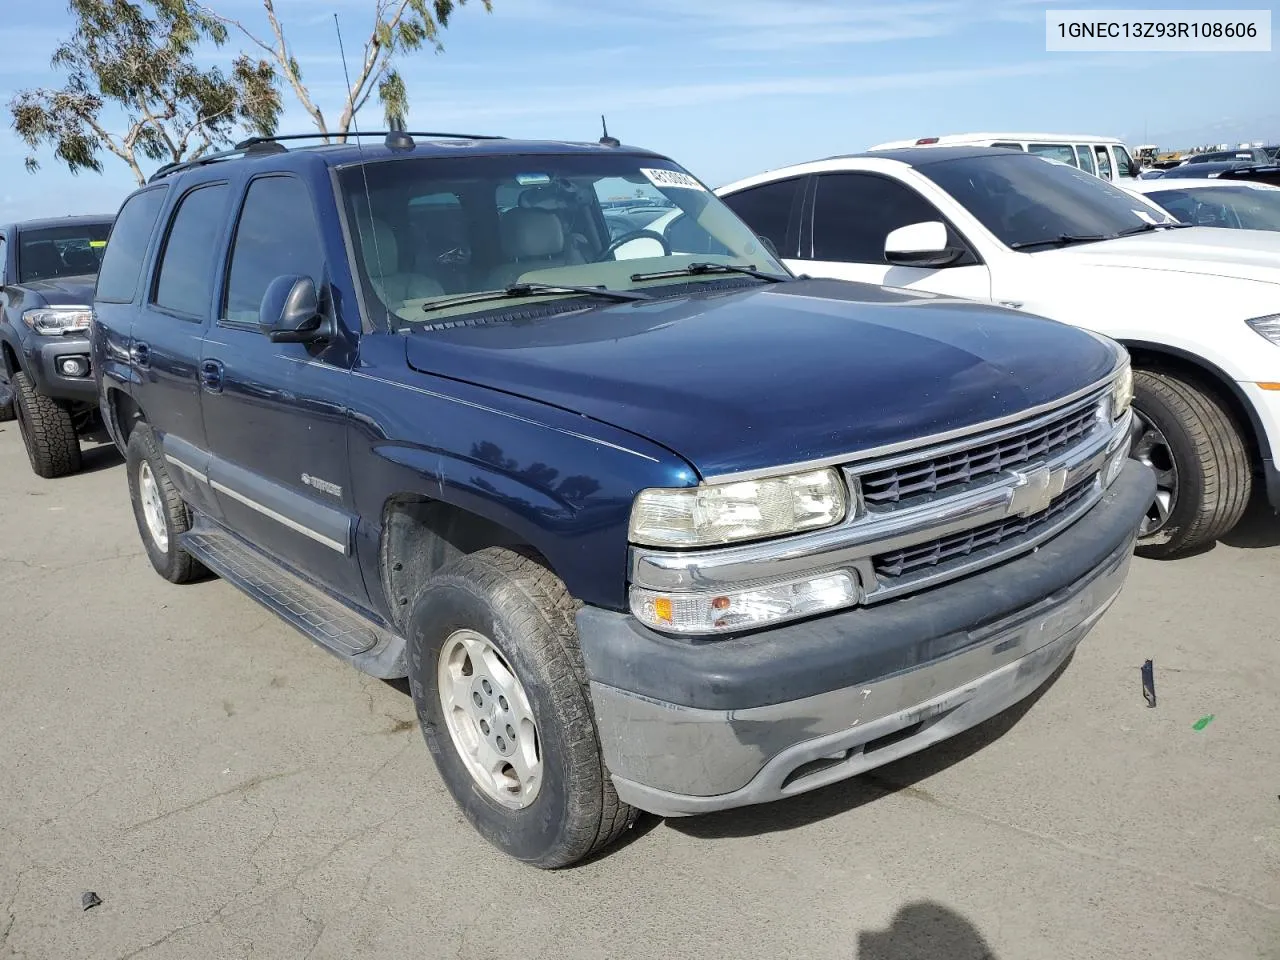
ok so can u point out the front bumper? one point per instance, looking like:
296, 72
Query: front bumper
692, 727
40, 358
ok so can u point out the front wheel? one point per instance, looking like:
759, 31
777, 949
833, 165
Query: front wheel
47, 430
501, 694
1203, 476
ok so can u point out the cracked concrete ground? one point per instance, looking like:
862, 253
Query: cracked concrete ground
231, 791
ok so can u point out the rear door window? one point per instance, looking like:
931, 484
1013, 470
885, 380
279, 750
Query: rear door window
1054, 151
127, 246
1086, 160
189, 261
768, 210
1104, 162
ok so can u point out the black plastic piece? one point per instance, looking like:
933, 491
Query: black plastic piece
1149, 683
862, 645
89, 900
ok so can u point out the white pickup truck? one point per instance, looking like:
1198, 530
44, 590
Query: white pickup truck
1198, 308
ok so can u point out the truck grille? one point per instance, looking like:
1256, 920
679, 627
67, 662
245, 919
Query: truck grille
971, 544
921, 480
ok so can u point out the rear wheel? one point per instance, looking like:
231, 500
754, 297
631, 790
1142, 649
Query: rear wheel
47, 429
1194, 447
501, 694
158, 509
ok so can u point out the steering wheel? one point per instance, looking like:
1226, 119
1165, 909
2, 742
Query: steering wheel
609, 251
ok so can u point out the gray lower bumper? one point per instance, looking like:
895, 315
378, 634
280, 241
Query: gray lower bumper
675, 759
42, 358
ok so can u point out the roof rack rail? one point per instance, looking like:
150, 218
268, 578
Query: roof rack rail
246, 148
258, 145
251, 141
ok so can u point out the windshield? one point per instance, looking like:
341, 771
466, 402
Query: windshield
1242, 207
71, 251
430, 230
1027, 200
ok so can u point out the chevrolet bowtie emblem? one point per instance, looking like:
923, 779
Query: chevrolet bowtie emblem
1035, 489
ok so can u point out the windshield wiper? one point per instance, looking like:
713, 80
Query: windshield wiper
1062, 240
696, 269
533, 290
1147, 228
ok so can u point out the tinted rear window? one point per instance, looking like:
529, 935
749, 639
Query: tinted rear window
122, 261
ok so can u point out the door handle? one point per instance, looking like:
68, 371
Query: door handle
140, 354
211, 375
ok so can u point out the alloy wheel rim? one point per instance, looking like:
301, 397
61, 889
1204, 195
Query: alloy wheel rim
1152, 448
153, 507
489, 719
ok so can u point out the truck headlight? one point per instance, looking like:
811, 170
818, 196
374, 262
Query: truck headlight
744, 510
1268, 327
1122, 391
55, 321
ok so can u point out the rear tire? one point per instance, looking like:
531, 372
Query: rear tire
159, 510
501, 616
1187, 435
47, 430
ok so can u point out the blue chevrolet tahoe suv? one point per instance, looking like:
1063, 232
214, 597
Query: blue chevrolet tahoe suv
647, 522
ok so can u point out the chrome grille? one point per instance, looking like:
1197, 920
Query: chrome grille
918, 480
969, 545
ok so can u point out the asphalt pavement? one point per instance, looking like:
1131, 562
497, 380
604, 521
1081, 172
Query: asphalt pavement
230, 791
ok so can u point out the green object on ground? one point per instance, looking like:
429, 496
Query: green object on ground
1202, 722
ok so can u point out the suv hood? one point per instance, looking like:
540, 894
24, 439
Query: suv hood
76, 291
1212, 251
776, 374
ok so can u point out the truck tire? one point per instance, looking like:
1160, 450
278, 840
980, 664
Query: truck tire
158, 509
47, 431
501, 693
1204, 478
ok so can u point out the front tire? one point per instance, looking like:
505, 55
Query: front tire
47, 430
1203, 476
501, 693
159, 510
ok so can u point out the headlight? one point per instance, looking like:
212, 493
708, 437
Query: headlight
745, 510
1122, 391
1268, 327
54, 321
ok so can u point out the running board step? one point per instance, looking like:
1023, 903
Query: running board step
329, 623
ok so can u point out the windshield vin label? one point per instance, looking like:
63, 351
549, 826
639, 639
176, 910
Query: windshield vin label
672, 178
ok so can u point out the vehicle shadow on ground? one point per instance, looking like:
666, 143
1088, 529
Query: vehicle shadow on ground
1258, 528
101, 457
925, 930
837, 798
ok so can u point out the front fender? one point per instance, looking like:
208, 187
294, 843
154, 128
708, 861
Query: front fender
560, 482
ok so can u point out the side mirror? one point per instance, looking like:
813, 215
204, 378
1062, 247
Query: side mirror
920, 245
290, 311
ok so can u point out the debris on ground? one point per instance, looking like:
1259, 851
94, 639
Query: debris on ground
1149, 683
1202, 722
89, 900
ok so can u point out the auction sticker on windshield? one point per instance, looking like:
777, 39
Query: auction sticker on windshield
671, 178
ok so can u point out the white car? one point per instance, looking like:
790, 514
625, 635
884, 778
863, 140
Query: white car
1234, 204
1106, 157
1198, 308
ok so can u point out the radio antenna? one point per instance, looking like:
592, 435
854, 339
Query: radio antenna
364, 169
605, 139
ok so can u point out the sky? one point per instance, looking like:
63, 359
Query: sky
725, 87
